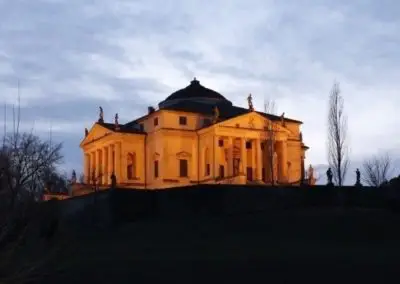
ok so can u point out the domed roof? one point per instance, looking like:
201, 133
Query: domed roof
195, 90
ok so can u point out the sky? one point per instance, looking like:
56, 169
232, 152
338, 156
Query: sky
72, 56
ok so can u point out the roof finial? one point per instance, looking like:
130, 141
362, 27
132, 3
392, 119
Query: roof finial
195, 81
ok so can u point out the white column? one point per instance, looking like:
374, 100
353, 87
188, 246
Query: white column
104, 167
259, 159
118, 161
229, 171
216, 157
98, 166
110, 165
253, 158
124, 165
94, 166
243, 156
87, 167
284, 161
194, 162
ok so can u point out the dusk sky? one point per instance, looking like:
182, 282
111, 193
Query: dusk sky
72, 56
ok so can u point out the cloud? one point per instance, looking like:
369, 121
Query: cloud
72, 56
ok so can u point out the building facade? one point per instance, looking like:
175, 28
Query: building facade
195, 136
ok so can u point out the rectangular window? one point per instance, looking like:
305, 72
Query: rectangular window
156, 121
208, 169
182, 120
221, 171
221, 143
248, 145
156, 169
183, 168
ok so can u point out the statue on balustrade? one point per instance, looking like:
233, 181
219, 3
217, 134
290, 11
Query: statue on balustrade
329, 175
101, 115
310, 176
358, 178
113, 180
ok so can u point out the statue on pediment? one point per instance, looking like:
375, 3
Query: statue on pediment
116, 122
86, 132
250, 102
101, 115
216, 114
283, 119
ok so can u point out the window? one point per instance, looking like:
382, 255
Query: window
221, 171
221, 143
131, 164
248, 145
183, 168
236, 164
141, 127
206, 121
156, 169
208, 169
156, 121
182, 120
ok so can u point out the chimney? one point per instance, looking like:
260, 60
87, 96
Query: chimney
150, 109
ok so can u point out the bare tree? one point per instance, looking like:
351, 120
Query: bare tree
27, 164
269, 145
338, 156
377, 170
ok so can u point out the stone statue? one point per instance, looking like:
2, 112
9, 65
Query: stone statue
283, 119
250, 102
101, 115
358, 178
116, 122
301, 137
216, 114
329, 175
113, 180
310, 175
86, 132
73, 177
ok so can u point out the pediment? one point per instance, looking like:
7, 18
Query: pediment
183, 154
254, 121
97, 131
156, 156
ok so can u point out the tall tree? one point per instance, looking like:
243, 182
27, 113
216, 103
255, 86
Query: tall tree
338, 155
269, 145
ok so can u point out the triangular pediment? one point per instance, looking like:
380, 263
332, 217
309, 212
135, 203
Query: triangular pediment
97, 131
253, 120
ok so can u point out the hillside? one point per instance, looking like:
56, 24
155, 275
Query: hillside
199, 248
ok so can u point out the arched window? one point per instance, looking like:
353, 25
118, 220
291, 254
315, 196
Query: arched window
207, 170
131, 166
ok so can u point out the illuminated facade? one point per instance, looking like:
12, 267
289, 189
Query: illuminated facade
195, 136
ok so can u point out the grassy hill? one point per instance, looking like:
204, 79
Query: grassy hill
263, 244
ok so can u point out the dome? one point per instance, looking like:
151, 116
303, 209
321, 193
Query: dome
195, 90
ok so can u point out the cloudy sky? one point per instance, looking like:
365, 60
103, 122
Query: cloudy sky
71, 56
